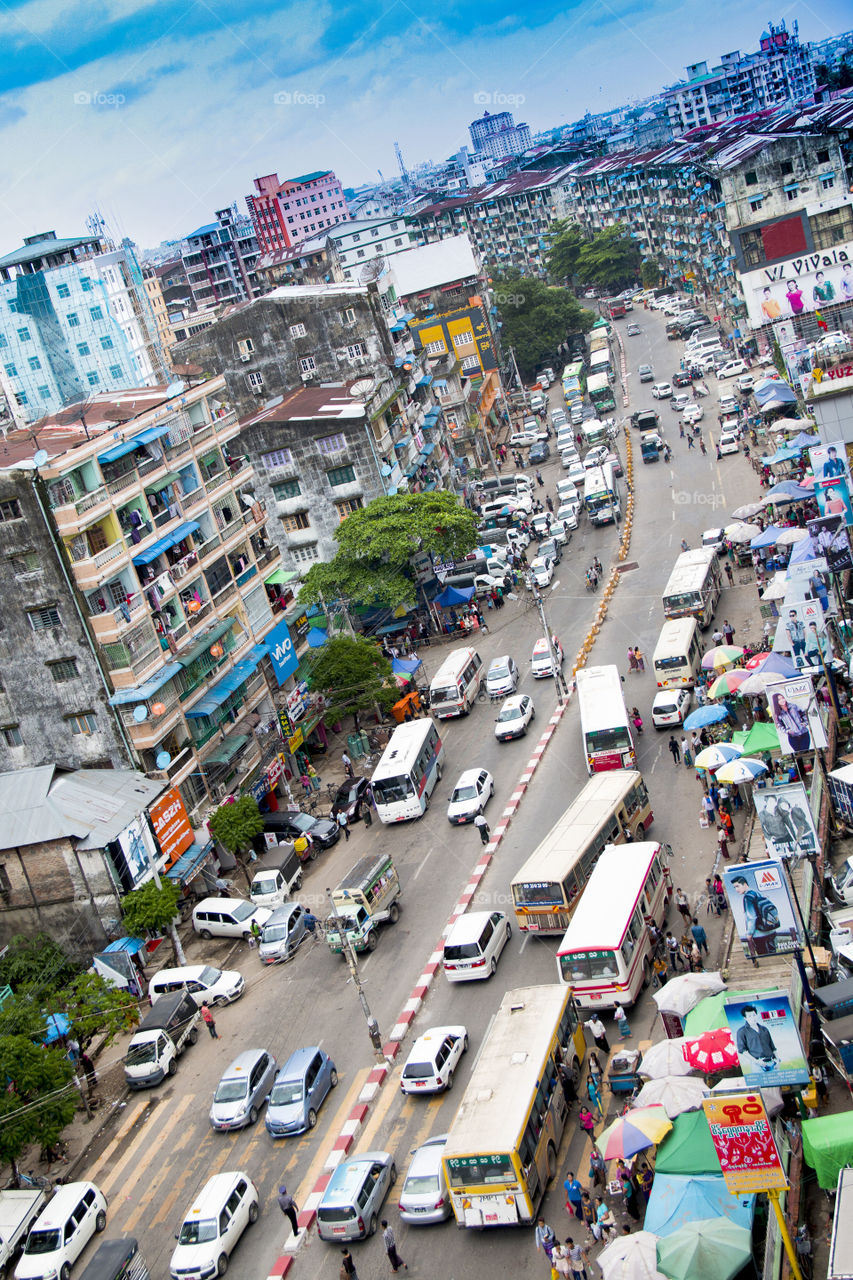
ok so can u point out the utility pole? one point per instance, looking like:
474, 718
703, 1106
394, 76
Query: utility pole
556, 666
352, 962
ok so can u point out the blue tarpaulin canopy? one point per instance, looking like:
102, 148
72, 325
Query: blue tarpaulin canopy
131, 945
317, 637
128, 446
773, 389
190, 862
805, 441
767, 538
144, 691
785, 454
58, 1026
678, 1199
222, 689
452, 595
788, 491
805, 550
405, 666
163, 544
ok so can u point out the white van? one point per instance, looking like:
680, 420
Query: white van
61, 1232
455, 685
475, 942
213, 1224
205, 984
227, 917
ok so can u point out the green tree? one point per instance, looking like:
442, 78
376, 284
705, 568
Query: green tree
152, 909
26, 1013
38, 959
95, 1007
536, 318
38, 1099
650, 273
567, 240
611, 259
353, 675
235, 824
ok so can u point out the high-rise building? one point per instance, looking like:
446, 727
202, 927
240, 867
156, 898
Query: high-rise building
286, 212
75, 321
219, 260
498, 135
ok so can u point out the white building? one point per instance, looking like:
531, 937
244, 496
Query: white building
354, 244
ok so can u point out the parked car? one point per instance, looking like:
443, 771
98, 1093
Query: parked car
732, 368
561, 530
515, 716
350, 798
576, 473
320, 831
522, 439
298, 1092
646, 372
679, 401
615, 462
745, 383
502, 677
243, 1090
213, 1224
539, 524
729, 442
433, 1059
570, 458
473, 791
540, 452
551, 549
633, 331
227, 917
681, 379
424, 1198
542, 570
662, 390
693, 413
567, 512
354, 1195
670, 707
595, 456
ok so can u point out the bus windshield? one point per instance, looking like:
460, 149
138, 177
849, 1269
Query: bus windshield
387, 790
584, 966
541, 895
685, 600
480, 1170
616, 739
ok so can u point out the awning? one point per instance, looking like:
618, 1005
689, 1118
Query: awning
424, 381
190, 863
440, 382
170, 540
280, 576
204, 642
431, 417
222, 689
128, 446
169, 478
117, 451
131, 945
227, 749
427, 449
144, 691
152, 433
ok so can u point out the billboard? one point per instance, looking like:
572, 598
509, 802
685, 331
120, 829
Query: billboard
830, 538
171, 826
762, 909
138, 850
786, 821
833, 499
798, 285
801, 629
793, 704
744, 1143
768, 1044
282, 652
829, 461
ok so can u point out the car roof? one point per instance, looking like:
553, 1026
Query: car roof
667, 695
64, 1197
221, 904
297, 1063
514, 700
468, 927
211, 1194
243, 1063
503, 660
541, 646
427, 1157
349, 1175
431, 1041
469, 774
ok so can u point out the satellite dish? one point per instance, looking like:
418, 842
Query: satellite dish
175, 388
362, 388
163, 760
41, 457
140, 713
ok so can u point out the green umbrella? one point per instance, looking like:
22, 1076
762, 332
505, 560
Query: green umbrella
709, 1014
761, 737
688, 1149
708, 1249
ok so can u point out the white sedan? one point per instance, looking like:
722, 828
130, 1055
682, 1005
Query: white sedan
567, 512
732, 368
693, 413
473, 791
516, 714
542, 570
577, 474
522, 439
432, 1061
596, 456
662, 390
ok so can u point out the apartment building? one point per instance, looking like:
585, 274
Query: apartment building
284, 213
355, 244
497, 135
219, 260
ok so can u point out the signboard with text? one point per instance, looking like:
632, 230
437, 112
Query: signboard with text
744, 1143
282, 652
768, 1044
171, 826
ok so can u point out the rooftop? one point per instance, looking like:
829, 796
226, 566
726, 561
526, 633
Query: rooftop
91, 806
44, 248
433, 265
311, 177
332, 401
515, 184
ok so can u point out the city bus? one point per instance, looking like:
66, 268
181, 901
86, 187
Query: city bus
455, 685
547, 888
574, 381
601, 362
594, 432
606, 953
694, 586
501, 1150
601, 495
600, 392
406, 775
678, 654
607, 738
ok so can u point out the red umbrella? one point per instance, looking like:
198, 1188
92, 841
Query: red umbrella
757, 660
712, 1051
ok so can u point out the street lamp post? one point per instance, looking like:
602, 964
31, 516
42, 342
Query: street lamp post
352, 962
556, 666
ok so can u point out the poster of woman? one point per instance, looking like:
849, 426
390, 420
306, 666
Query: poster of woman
795, 713
833, 498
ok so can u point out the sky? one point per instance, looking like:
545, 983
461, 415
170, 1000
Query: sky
158, 112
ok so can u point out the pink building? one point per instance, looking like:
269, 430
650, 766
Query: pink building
285, 213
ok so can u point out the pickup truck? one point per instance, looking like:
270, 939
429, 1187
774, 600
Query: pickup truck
161, 1037
18, 1212
367, 897
649, 447
277, 873
645, 420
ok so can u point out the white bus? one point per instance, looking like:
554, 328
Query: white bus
600, 362
601, 495
607, 739
606, 953
456, 684
678, 654
694, 586
549, 885
408, 771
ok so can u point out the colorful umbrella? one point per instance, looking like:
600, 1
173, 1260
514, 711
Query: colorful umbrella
683, 993
722, 655
712, 1051
715, 755
674, 1093
761, 737
777, 589
707, 1249
727, 684
705, 715
756, 661
743, 770
631, 1257
665, 1059
632, 1133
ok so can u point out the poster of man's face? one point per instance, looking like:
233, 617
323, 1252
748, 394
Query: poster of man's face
833, 498
786, 820
801, 631
761, 907
768, 1044
829, 461
831, 540
795, 713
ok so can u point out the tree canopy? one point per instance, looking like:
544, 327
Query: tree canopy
38, 1099
650, 273
567, 239
611, 259
536, 318
353, 674
95, 1007
236, 823
37, 959
152, 909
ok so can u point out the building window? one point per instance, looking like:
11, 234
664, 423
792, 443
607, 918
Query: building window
85, 284
751, 178
307, 364
470, 363
25, 563
832, 228
96, 313
357, 349
3, 342
115, 371
86, 722
347, 506
392, 226
792, 194
24, 335
463, 339
106, 343
255, 381
83, 349
397, 243
44, 392
11, 370
10, 510
21, 397
303, 554
92, 379
755, 203
12, 736
286, 489
340, 475
359, 253
292, 524
73, 320
64, 670
827, 182
822, 157
436, 348
34, 363
62, 291
45, 617
356, 237
280, 458
298, 331
332, 444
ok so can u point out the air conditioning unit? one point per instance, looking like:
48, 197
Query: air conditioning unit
245, 357
306, 377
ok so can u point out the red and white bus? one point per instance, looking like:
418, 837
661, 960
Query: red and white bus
607, 738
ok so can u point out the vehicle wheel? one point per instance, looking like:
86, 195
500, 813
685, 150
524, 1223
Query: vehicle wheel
371, 1230
449, 1085
193, 1035
465, 1045
392, 1176
439, 771
647, 974
206, 934
312, 855
426, 803
552, 1162
371, 942
222, 1264
492, 789
298, 881
172, 1067
247, 935
253, 1212
220, 1002
333, 1078
494, 967
508, 931
100, 1221
312, 1117
394, 913
533, 714
65, 1272
253, 1115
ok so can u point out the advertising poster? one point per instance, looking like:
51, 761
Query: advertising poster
137, 845
282, 652
829, 461
744, 1143
801, 630
171, 826
761, 908
799, 285
829, 535
786, 821
769, 1048
794, 708
833, 499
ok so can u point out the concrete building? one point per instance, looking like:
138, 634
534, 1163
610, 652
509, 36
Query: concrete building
355, 244
159, 310
309, 262
74, 321
497, 135
219, 260
284, 213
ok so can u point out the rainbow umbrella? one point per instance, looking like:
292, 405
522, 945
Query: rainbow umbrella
644, 1127
712, 1051
745, 769
727, 683
715, 755
722, 655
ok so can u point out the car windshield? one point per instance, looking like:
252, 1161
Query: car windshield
243, 911
198, 1232
418, 1070
498, 671
450, 694
421, 1184
230, 1091
43, 1241
302, 821
286, 1092
463, 793
208, 975
509, 713
274, 933
138, 1055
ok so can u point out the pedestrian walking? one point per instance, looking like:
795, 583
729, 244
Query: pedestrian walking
729, 574
695, 958
254, 932
708, 808
288, 1207
577, 1259
640, 660
685, 545
673, 954
594, 1068
347, 1271
637, 720
605, 1223
347, 763
597, 1167
728, 631
659, 969
645, 1178
675, 750
622, 1022
564, 1075
545, 1238
599, 1033
685, 753
682, 902
574, 1195
592, 1092
717, 636
722, 903
722, 841
207, 1019
391, 1248
629, 1190
632, 660
690, 443
711, 897
90, 1073
728, 824
483, 828
343, 822
549, 503
539, 480
586, 1120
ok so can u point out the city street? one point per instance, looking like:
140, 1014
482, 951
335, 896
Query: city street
161, 1149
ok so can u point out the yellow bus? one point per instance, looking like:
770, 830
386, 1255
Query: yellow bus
501, 1151
677, 657
546, 889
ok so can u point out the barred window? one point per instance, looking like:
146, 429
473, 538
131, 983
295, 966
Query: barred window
303, 554
300, 520
12, 736
286, 489
10, 510
86, 722
279, 458
340, 475
45, 617
64, 670
332, 444
346, 507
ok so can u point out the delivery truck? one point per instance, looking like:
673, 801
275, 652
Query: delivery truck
277, 874
366, 898
169, 1026
18, 1212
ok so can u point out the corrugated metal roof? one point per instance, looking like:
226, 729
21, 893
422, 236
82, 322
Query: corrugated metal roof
89, 805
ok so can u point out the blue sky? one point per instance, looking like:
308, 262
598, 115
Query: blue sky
157, 112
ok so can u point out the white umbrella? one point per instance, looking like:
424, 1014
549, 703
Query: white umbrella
777, 587
789, 536
675, 1093
683, 993
665, 1060
631, 1257
740, 532
747, 510
756, 684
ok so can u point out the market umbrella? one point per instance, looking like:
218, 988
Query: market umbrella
741, 532
788, 424
709, 1014
747, 510
712, 1051
317, 637
722, 655
678, 1199
780, 665
674, 1093
629, 1134
686, 991
709, 714
767, 538
777, 588
688, 1149
742, 770
715, 755
757, 682
788, 537
761, 737
786, 491
757, 660
665, 1059
708, 1249
727, 684
631, 1257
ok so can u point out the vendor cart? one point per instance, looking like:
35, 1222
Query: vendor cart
623, 1073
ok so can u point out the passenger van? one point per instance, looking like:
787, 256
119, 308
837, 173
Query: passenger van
206, 984
474, 944
227, 917
61, 1231
213, 1224
455, 685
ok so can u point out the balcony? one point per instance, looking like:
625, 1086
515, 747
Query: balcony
92, 570
69, 517
112, 624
